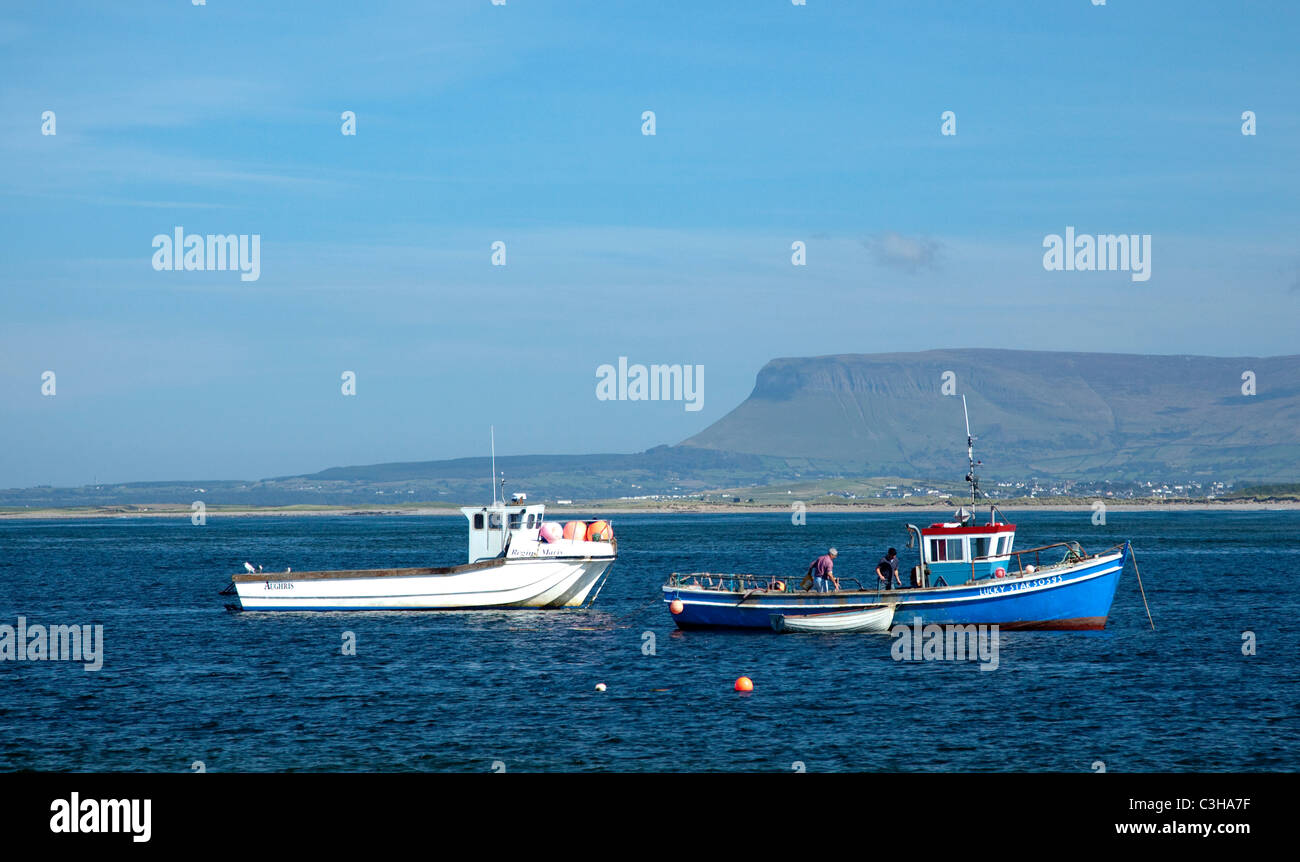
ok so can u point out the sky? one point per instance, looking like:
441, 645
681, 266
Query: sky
523, 124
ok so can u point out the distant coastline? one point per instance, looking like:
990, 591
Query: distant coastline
620, 508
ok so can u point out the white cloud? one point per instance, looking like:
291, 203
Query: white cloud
912, 253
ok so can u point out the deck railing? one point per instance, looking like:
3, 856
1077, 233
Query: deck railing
1074, 553
751, 583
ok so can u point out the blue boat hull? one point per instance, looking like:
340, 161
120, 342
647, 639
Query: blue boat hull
1077, 596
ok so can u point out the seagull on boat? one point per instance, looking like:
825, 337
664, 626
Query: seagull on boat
248, 567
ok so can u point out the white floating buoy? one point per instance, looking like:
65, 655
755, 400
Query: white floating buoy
600, 686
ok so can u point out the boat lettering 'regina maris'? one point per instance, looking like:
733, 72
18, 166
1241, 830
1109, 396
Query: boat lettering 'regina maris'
517, 559
968, 575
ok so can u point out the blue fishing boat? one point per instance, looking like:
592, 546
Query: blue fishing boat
969, 574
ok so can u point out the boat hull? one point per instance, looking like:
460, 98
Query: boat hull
498, 583
1067, 597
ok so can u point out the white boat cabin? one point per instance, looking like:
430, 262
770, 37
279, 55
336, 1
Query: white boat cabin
491, 527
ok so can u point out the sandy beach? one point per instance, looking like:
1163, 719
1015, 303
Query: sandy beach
615, 508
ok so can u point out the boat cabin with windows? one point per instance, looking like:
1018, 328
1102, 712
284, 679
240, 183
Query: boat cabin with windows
961, 551
492, 527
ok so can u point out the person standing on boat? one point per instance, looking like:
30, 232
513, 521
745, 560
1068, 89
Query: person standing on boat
822, 571
887, 570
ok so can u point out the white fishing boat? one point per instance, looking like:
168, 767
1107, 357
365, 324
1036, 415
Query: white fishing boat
870, 620
517, 559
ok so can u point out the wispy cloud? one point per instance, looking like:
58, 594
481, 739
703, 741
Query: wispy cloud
904, 252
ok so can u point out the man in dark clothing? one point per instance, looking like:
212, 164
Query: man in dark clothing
887, 571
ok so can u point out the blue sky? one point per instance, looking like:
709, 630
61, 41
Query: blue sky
522, 123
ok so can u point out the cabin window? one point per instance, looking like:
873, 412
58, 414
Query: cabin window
530, 521
1006, 545
981, 546
956, 549
936, 550
516, 519
478, 520
494, 520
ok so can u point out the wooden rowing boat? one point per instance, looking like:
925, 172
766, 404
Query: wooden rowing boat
869, 620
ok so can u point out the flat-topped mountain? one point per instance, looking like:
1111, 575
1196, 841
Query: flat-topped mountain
1093, 417
1054, 414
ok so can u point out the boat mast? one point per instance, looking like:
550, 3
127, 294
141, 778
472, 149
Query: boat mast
492, 480
970, 457
503, 515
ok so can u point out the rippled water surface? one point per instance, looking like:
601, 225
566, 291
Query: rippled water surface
186, 680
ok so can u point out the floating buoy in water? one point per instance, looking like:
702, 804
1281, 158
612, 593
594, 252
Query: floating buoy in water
999, 572
576, 530
744, 684
599, 531
600, 686
676, 606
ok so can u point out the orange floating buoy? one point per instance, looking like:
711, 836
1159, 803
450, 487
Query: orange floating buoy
744, 684
999, 572
676, 606
599, 531
576, 530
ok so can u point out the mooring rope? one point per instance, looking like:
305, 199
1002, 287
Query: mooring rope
618, 619
1138, 572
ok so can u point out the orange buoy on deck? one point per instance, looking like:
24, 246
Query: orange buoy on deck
576, 530
599, 531
676, 606
744, 684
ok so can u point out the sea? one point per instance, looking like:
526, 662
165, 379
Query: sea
187, 684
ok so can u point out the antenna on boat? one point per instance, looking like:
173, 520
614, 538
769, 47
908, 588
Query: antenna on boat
492, 430
970, 456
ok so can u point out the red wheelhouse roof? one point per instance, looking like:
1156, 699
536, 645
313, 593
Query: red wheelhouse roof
982, 529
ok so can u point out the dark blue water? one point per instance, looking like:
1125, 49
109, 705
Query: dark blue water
185, 680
